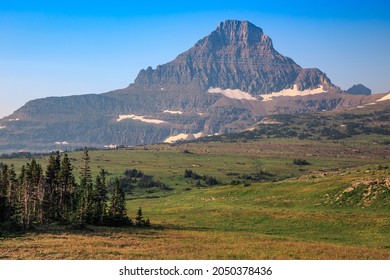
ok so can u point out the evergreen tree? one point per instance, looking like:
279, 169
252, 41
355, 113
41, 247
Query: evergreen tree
19, 206
67, 187
12, 194
52, 194
41, 214
30, 183
100, 199
117, 212
27, 191
3, 193
139, 219
85, 203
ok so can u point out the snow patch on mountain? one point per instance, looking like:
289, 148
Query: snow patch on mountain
292, 92
199, 135
61, 143
184, 136
139, 118
173, 112
175, 138
232, 93
386, 97
110, 146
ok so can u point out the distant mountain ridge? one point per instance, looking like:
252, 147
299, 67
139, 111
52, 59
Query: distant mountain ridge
227, 82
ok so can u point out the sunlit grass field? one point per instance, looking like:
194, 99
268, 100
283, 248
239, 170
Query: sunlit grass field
296, 215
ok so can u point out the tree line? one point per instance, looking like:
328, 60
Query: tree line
37, 197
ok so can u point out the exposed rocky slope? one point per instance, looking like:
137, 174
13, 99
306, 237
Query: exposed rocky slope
237, 55
227, 82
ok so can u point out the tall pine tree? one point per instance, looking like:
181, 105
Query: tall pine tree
67, 187
85, 193
3, 193
117, 212
31, 181
12, 194
100, 199
52, 192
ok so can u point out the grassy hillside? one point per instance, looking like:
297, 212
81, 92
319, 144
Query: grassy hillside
267, 206
299, 218
355, 123
231, 161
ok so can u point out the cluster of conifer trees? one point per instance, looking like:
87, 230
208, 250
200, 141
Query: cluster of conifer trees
209, 180
36, 197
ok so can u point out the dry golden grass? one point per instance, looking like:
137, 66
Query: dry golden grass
147, 244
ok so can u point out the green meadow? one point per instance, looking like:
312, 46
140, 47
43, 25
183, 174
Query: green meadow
335, 207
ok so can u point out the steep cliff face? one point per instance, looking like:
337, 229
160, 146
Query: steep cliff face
237, 55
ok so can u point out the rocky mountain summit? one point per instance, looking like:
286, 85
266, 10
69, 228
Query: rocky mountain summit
227, 82
359, 89
237, 55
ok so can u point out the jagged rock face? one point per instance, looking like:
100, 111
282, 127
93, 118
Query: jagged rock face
237, 55
312, 78
359, 89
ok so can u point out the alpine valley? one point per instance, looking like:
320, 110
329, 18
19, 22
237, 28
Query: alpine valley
227, 82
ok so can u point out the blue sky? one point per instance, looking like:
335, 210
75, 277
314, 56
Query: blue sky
57, 48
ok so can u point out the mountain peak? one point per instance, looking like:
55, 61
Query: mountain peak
240, 31
359, 89
244, 33
236, 34
236, 55
234, 24
238, 26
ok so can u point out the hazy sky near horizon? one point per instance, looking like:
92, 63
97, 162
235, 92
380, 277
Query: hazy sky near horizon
58, 48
